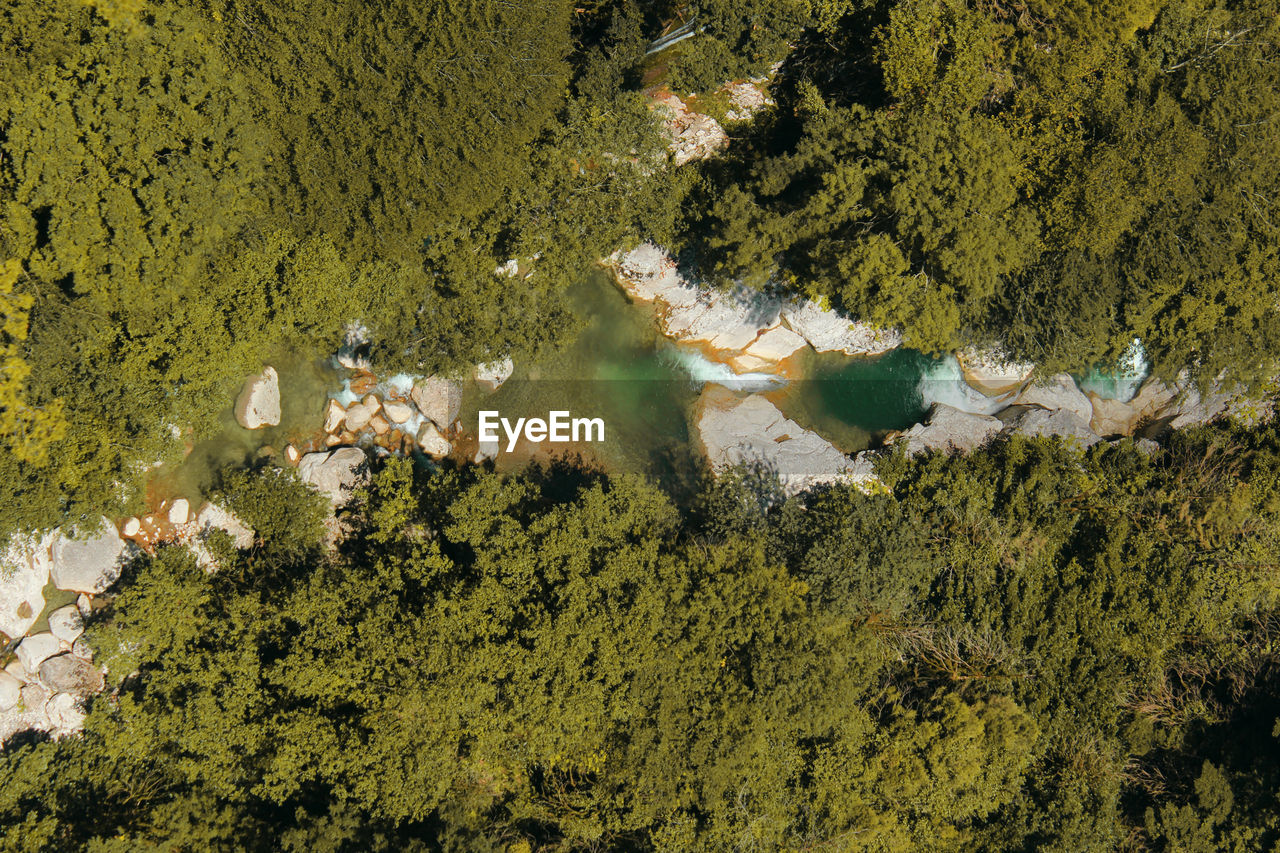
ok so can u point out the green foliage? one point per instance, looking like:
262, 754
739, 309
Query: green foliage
1063, 177
996, 654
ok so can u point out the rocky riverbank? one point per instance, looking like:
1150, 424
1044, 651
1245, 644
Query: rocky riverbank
758, 335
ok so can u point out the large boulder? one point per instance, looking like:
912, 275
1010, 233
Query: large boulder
1112, 417
335, 473
947, 428
66, 623
1058, 392
439, 400
647, 273
89, 565
24, 571
34, 650
70, 674
736, 430
259, 402
827, 331
1034, 421
727, 322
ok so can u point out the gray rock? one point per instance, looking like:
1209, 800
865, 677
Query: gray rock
89, 565
24, 571
66, 624
736, 430
827, 331
84, 605
259, 402
335, 473
1033, 422
10, 691
948, 428
1146, 445
1058, 392
35, 649
438, 399
65, 714
70, 674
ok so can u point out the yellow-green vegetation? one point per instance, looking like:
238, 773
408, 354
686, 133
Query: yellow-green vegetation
1061, 176
1024, 648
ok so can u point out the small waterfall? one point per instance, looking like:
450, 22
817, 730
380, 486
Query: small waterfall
943, 382
1121, 382
702, 370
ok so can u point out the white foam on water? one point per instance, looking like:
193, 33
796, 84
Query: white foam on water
346, 396
702, 370
402, 383
943, 382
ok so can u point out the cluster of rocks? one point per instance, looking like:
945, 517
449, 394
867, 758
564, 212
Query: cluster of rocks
749, 331
753, 333
421, 417
690, 135
52, 671
693, 135
1057, 407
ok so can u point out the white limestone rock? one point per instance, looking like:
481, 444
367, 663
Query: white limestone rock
432, 442
491, 374
10, 691
334, 415
66, 624
397, 412
947, 428
179, 511
486, 450
359, 414
1034, 421
736, 430
80, 648
24, 571
1058, 392
34, 650
827, 331
438, 399
65, 714
335, 473
691, 135
89, 565
765, 352
259, 402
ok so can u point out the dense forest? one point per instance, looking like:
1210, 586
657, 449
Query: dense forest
1020, 649
1029, 647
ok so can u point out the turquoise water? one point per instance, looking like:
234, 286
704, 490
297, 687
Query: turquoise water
645, 388
853, 402
619, 369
